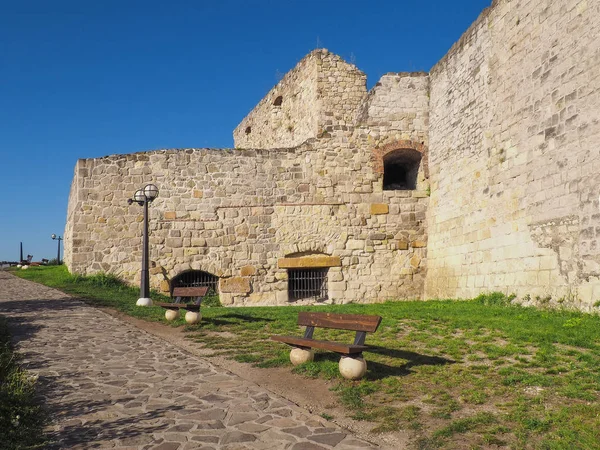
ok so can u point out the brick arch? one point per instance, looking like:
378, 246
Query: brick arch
379, 153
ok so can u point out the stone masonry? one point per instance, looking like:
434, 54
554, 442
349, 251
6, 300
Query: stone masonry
478, 176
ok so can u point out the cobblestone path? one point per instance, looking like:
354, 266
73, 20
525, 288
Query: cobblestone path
108, 384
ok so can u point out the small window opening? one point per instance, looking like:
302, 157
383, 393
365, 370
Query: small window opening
278, 101
400, 169
248, 130
196, 278
307, 284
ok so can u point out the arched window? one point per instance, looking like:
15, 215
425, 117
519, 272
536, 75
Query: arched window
248, 130
196, 278
400, 169
278, 101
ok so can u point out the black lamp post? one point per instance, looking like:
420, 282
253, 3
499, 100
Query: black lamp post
57, 238
144, 197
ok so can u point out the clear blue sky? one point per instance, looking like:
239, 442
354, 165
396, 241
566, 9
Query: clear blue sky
84, 79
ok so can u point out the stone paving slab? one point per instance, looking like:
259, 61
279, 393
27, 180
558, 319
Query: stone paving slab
109, 384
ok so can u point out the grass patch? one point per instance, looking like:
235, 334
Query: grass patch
468, 374
22, 419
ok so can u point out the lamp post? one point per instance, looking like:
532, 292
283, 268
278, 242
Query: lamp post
144, 197
57, 238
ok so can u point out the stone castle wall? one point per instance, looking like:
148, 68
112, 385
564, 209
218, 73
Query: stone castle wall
506, 133
239, 213
515, 153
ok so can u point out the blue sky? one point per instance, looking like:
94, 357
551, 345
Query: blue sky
84, 79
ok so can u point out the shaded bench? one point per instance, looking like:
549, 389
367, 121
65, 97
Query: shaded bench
181, 295
352, 364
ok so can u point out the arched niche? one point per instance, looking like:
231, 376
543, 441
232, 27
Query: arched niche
400, 169
196, 278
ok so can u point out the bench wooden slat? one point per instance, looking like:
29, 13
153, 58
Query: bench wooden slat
352, 322
190, 291
346, 349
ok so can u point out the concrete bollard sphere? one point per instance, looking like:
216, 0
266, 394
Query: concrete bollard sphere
300, 355
144, 302
193, 317
171, 314
19, 266
353, 368
24, 267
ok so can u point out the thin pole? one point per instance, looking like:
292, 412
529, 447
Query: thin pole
145, 281
58, 253
21, 259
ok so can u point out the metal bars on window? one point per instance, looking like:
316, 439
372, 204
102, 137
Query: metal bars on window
307, 284
197, 278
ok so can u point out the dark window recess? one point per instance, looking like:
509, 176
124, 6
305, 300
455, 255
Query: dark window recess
307, 284
248, 130
278, 101
196, 278
400, 169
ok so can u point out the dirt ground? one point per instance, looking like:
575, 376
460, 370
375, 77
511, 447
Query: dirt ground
312, 394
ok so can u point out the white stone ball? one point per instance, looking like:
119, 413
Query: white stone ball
144, 302
24, 267
19, 266
353, 368
171, 314
300, 355
193, 317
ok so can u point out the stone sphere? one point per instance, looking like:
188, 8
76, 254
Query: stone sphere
19, 266
299, 356
171, 314
144, 302
24, 267
353, 368
193, 317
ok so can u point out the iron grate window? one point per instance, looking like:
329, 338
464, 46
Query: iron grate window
197, 278
307, 284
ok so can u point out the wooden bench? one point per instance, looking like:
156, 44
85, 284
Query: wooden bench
352, 364
181, 293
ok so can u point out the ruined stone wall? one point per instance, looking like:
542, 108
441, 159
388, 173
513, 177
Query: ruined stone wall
238, 213
515, 153
287, 115
323, 92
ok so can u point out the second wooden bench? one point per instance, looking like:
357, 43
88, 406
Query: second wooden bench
193, 309
352, 365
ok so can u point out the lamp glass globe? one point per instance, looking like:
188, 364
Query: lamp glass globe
139, 196
151, 191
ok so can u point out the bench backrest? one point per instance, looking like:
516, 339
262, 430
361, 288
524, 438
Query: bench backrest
190, 291
353, 322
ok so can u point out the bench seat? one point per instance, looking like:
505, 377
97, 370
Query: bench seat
352, 364
337, 347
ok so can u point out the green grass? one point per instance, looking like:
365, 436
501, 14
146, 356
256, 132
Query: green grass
453, 374
21, 417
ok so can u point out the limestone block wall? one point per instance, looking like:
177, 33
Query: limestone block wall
515, 153
399, 101
238, 213
321, 93
342, 89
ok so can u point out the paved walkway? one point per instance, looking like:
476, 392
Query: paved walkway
111, 385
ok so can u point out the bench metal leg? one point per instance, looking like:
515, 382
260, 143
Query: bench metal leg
353, 367
300, 355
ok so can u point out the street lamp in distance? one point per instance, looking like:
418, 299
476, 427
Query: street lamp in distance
144, 197
57, 238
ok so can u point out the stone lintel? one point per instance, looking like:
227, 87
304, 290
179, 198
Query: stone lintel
309, 262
